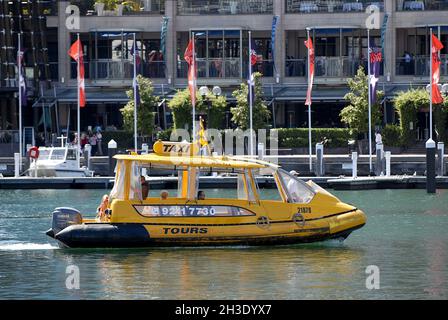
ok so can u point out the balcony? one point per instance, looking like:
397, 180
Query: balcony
225, 68
224, 7
330, 6
434, 5
107, 69
418, 66
326, 67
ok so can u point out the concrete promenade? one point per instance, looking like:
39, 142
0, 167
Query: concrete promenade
207, 182
335, 165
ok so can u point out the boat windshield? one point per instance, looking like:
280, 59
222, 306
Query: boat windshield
44, 154
296, 190
58, 154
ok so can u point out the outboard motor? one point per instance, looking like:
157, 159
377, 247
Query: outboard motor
63, 218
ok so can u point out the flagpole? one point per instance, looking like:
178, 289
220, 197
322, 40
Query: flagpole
370, 101
135, 84
431, 84
79, 105
251, 137
194, 85
309, 107
19, 66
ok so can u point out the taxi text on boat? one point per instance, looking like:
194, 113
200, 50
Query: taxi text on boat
295, 212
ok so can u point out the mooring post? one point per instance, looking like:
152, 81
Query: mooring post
112, 151
319, 159
354, 164
379, 159
387, 155
87, 154
16, 165
430, 166
441, 159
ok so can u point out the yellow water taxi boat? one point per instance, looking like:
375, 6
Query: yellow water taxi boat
296, 212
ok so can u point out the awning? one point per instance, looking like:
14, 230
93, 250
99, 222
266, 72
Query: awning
280, 93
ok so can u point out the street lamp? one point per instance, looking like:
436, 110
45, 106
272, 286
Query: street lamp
204, 92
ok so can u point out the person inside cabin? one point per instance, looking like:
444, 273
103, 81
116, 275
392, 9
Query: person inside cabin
145, 187
293, 188
102, 212
201, 195
164, 195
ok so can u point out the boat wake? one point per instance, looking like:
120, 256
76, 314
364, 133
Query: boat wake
22, 246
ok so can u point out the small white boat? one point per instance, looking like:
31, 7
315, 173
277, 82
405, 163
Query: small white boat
58, 162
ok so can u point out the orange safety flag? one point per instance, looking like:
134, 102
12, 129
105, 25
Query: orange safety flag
436, 47
309, 45
77, 54
189, 56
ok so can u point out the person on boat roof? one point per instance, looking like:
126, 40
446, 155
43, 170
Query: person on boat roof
201, 195
145, 187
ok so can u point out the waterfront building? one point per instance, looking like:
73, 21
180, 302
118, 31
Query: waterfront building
337, 27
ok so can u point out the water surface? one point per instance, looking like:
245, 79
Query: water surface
405, 237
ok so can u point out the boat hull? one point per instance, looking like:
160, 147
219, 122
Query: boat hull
128, 235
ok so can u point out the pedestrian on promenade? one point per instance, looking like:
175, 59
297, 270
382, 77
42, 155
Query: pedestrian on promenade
99, 139
93, 141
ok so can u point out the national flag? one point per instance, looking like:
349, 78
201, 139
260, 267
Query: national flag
76, 53
251, 77
309, 45
189, 57
375, 56
273, 37
163, 36
436, 47
22, 79
135, 53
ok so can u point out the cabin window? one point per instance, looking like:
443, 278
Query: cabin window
58, 154
118, 189
71, 154
270, 194
296, 190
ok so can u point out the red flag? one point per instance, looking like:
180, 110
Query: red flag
436, 47
77, 54
309, 45
190, 58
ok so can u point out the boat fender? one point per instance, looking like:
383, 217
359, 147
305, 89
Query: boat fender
263, 222
299, 219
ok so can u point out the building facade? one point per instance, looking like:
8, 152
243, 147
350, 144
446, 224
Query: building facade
338, 28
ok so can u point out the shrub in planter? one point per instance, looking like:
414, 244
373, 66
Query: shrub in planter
298, 137
391, 134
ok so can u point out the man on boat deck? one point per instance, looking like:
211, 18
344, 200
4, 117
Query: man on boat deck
201, 195
164, 195
145, 187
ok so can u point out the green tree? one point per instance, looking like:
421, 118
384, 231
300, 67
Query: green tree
182, 109
356, 114
145, 110
408, 103
109, 4
241, 113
